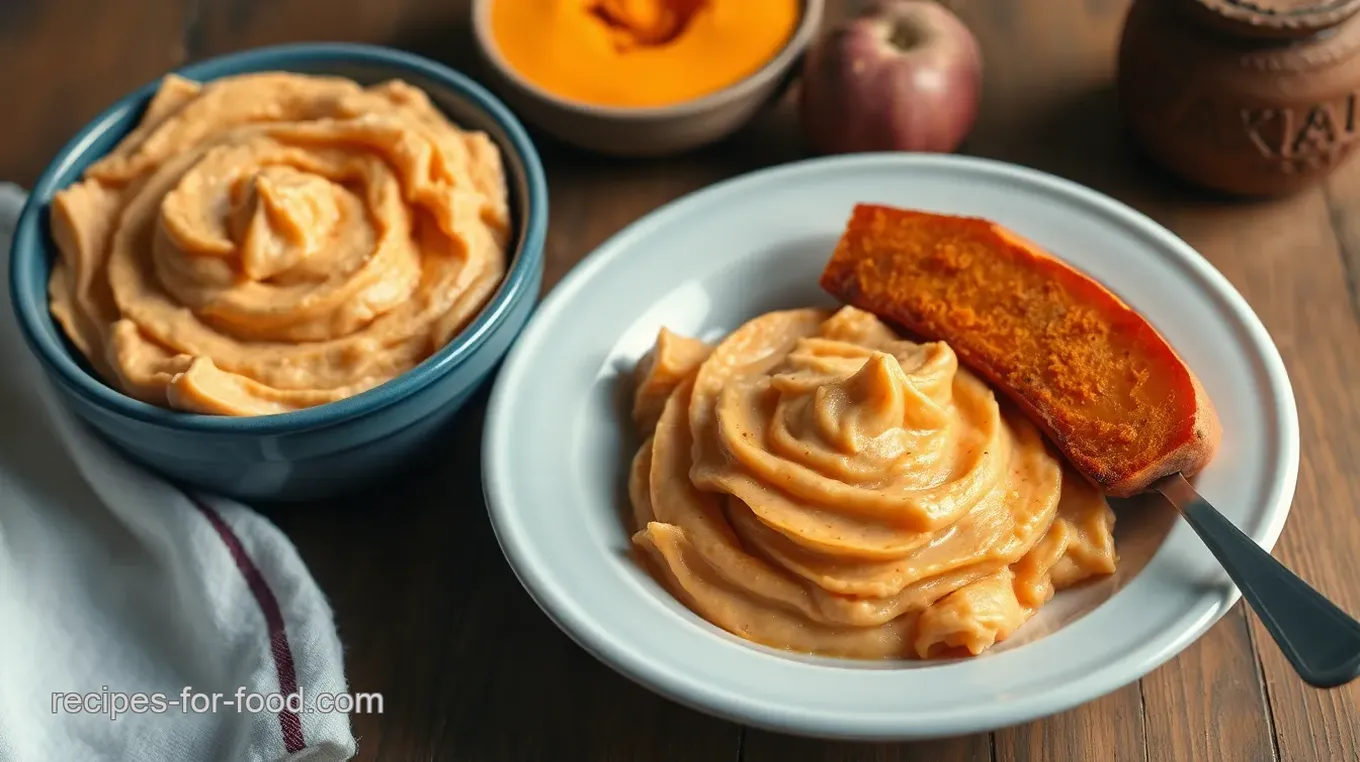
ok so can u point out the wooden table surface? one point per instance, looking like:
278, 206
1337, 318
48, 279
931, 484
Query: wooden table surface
431, 615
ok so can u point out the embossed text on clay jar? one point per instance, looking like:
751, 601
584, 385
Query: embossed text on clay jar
1248, 98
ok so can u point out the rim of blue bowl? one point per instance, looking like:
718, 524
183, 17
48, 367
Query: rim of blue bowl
527, 254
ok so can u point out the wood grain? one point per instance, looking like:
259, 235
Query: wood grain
1217, 691
1290, 266
433, 618
1112, 724
761, 746
436, 29
64, 61
1342, 190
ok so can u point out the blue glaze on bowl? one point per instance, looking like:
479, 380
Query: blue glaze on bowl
327, 449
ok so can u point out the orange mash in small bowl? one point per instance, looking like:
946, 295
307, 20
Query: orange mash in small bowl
639, 53
642, 77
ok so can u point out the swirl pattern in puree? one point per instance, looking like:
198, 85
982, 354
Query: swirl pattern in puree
816, 483
269, 242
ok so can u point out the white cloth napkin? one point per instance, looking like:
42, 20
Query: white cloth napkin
116, 586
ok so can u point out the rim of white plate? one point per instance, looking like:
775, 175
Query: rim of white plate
634, 661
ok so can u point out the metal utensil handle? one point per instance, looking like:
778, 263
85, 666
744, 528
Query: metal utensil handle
1320, 640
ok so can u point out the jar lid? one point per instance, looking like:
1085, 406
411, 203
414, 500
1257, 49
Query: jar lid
1278, 18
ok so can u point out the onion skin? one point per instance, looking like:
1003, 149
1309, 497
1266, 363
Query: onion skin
905, 75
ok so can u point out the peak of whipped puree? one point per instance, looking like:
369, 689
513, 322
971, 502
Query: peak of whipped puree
816, 483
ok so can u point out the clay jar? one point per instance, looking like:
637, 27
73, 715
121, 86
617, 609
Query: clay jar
1251, 97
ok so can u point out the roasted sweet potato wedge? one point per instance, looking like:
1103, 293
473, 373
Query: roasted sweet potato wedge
1109, 391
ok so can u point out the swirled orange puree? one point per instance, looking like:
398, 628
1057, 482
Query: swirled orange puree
637, 53
816, 483
269, 242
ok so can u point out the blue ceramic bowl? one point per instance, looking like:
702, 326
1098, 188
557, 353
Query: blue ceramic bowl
330, 448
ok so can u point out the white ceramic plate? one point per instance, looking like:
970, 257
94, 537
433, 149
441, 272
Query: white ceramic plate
558, 443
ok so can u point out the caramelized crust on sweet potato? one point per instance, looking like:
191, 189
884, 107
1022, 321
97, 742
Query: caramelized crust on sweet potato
1104, 385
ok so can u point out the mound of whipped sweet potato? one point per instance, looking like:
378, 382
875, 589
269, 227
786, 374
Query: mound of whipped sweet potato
1100, 381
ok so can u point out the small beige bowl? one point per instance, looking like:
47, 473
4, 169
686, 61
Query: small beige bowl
651, 131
